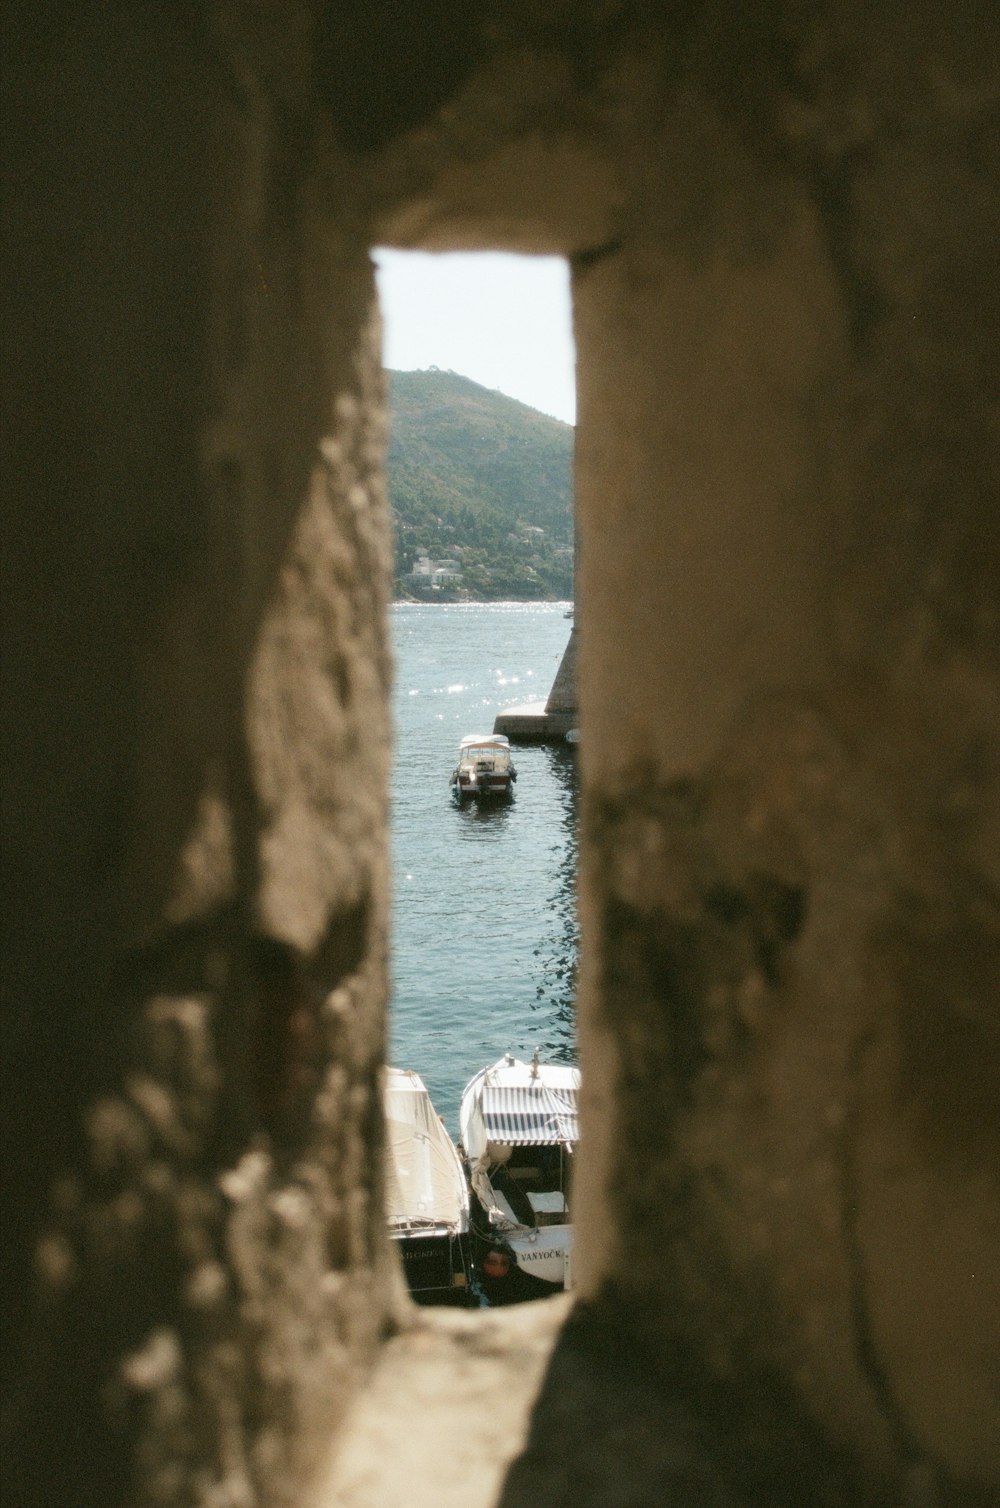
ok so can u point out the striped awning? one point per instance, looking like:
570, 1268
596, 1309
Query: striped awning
529, 1115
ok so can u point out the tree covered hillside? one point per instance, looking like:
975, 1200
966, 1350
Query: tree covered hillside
480, 484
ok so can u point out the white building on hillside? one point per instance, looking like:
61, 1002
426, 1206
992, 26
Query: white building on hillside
435, 573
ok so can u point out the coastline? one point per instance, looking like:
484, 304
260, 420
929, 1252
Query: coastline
452, 599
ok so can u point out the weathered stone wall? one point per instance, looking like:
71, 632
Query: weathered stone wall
790, 696
197, 736
783, 233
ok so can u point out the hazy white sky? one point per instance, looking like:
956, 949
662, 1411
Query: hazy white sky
504, 321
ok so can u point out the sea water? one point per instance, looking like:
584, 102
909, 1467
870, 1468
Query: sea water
485, 932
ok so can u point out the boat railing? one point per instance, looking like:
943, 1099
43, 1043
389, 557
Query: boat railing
418, 1226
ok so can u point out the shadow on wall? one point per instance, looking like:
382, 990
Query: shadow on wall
619, 1424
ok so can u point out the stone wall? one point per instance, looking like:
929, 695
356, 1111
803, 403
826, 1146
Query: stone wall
196, 722
791, 832
782, 230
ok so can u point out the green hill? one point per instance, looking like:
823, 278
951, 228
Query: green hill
481, 480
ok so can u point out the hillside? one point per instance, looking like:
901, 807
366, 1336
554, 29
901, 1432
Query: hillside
481, 482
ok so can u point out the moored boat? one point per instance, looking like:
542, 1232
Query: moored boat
427, 1197
485, 769
518, 1124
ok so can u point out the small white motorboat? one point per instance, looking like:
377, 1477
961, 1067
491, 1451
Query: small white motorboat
518, 1125
427, 1197
485, 769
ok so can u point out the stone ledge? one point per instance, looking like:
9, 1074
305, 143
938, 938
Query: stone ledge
446, 1410
532, 724
549, 1405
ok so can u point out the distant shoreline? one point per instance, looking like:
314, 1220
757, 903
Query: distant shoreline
566, 602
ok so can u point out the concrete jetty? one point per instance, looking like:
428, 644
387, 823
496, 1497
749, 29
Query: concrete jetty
533, 724
551, 720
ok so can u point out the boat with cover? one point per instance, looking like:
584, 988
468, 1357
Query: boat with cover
519, 1127
427, 1198
484, 769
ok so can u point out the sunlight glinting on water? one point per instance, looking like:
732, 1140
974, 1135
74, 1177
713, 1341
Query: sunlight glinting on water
484, 923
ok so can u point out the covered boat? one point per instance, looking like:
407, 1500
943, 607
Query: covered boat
427, 1198
485, 768
519, 1128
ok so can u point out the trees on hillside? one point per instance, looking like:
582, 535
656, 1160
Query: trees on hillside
478, 476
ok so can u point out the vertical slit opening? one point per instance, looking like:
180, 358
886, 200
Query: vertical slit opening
479, 359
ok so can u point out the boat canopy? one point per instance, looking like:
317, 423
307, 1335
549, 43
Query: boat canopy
425, 1186
529, 1114
485, 741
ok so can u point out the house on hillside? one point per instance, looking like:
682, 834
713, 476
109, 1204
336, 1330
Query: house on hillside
434, 573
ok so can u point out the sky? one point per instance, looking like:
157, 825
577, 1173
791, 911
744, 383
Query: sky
505, 321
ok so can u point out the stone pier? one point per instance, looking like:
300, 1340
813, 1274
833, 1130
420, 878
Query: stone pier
548, 721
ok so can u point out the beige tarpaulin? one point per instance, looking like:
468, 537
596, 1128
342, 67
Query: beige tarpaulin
425, 1184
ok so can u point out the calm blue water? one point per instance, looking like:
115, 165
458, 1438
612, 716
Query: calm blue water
484, 919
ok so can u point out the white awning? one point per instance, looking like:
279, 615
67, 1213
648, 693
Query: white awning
492, 740
529, 1115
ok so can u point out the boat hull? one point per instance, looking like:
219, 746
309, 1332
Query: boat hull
532, 1268
436, 1268
472, 790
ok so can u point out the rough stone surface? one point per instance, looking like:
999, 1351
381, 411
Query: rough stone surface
446, 1411
195, 805
783, 844
551, 1406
